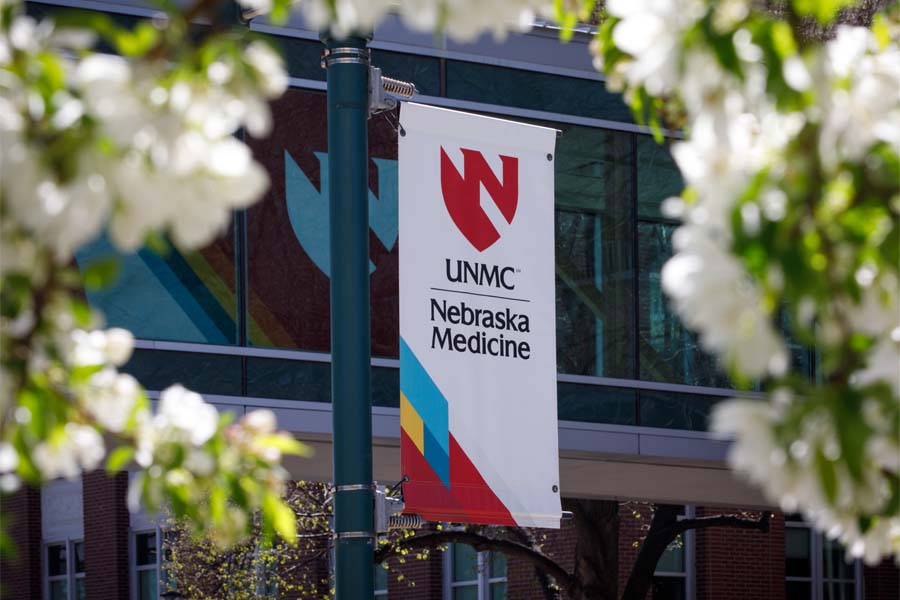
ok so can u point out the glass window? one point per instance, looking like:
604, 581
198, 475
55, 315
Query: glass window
658, 177
146, 565
203, 373
672, 410
288, 251
670, 580
594, 290
668, 351
816, 568
533, 90
176, 296
78, 567
596, 404
65, 571
302, 57
474, 575
381, 581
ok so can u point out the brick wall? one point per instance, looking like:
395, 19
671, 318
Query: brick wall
522, 582
20, 577
106, 526
634, 521
416, 579
882, 582
739, 564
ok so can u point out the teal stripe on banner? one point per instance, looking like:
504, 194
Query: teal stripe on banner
425, 397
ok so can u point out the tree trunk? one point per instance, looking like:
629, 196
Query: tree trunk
596, 547
657, 540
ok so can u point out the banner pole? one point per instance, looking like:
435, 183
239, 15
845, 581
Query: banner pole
347, 64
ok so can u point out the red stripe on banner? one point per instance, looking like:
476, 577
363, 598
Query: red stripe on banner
469, 499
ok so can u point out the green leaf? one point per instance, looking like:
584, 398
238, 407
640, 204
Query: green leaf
118, 458
827, 476
100, 273
824, 11
282, 518
286, 443
138, 41
783, 39
158, 244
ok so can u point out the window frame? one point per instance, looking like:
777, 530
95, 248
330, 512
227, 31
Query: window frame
135, 569
817, 578
71, 576
689, 572
482, 582
381, 592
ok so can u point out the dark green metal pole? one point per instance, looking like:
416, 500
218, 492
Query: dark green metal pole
348, 105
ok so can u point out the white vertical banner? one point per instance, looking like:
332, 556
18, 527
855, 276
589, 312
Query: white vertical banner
477, 319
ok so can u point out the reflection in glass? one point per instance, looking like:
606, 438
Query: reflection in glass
672, 560
145, 548
658, 177
465, 563
468, 592
147, 585
596, 404
672, 410
59, 590
288, 247
834, 561
498, 590
56, 559
797, 552
78, 548
537, 91
498, 565
175, 296
594, 290
669, 352
203, 373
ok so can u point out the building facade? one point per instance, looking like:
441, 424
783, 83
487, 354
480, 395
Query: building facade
245, 322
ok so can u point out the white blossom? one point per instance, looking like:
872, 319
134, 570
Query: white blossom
790, 476
184, 410
463, 20
75, 449
713, 295
651, 30
111, 397
260, 421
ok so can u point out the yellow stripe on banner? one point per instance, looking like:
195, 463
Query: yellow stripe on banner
412, 423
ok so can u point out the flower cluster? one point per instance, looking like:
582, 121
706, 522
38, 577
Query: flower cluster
464, 20
194, 462
91, 139
139, 144
790, 216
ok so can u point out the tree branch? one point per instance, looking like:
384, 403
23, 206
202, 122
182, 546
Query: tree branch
435, 539
664, 529
761, 524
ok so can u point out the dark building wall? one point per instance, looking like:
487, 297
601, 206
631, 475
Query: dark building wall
730, 564
20, 576
522, 580
416, 579
882, 582
106, 527
739, 564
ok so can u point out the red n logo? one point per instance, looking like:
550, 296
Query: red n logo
462, 194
